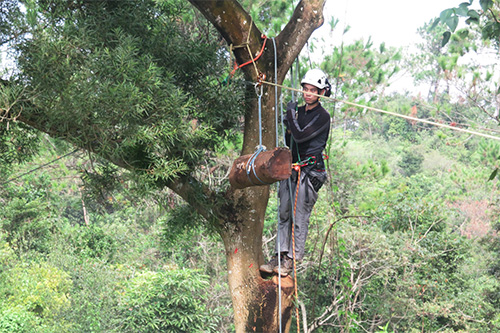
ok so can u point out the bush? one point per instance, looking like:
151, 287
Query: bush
91, 242
18, 319
411, 163
7, 255
39, 288
170, 301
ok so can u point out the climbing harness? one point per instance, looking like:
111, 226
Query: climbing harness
311, 160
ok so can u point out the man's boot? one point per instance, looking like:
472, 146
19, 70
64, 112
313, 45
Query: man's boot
286, 266
271, 264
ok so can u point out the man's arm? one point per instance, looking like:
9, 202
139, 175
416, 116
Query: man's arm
318, 124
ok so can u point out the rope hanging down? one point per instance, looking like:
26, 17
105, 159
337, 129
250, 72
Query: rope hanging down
277, 184
297, 168
453, 128
250, 166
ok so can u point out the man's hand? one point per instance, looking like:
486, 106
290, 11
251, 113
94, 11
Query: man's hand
291, 106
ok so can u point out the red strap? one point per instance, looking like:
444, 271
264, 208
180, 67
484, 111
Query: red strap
250, 61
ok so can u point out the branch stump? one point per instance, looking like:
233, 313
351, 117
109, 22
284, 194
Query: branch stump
268, 167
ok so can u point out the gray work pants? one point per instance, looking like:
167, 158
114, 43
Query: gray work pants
306, 199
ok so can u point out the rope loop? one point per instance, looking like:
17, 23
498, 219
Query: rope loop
250, 167
258, 91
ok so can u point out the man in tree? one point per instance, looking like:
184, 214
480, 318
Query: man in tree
307, 133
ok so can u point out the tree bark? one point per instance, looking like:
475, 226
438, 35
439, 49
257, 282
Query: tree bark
262, 168
254, 299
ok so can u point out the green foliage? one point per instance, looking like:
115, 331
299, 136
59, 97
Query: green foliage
7, 254
181, 220
269, 16
91, 242
411, 162
18, 319
401, 128
488, 152
485, 19
18, 143
169, 301
26, 217
145, 92
94, 301
39, 288
359, 71
141, 80
373, 170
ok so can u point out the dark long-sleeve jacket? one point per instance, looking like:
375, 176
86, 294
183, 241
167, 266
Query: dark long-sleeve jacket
309, 133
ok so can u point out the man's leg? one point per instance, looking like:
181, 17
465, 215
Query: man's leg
306, 199
284, 228
283, 240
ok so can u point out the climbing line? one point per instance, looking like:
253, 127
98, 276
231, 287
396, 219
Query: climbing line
250, 166
454, 128
259, 95
277, 184
297, 168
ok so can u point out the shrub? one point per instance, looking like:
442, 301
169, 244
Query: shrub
39, 288
6, 252
18, 319
169, 301
411, 162
92, 242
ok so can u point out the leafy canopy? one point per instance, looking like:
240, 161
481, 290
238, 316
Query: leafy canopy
485, 19
126, 80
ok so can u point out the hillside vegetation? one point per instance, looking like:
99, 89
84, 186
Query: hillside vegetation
404, 234
133, 101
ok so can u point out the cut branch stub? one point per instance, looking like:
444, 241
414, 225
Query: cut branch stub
262, 168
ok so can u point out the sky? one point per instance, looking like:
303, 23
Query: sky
394, 22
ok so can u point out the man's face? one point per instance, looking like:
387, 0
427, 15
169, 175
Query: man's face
307, 89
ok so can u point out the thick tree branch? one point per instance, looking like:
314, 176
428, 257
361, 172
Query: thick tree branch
234, 24
194, 192
201, 198
307, 17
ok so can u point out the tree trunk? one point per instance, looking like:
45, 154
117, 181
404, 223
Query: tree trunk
255, 300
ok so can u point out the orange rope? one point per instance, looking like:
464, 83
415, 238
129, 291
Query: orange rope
252, 60
297, 168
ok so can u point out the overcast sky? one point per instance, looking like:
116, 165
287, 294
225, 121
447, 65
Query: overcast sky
394, 22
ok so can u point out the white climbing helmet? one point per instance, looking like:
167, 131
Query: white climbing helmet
315, 77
